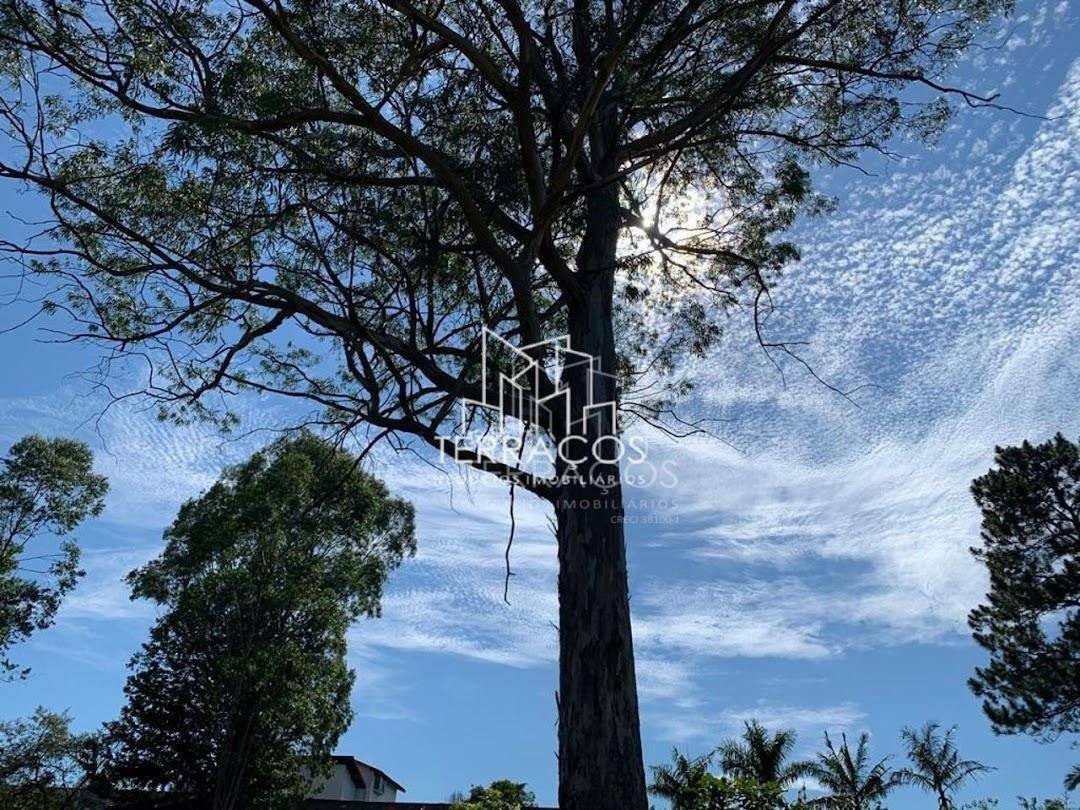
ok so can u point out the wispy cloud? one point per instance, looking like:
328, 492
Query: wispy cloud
701, 723
102, 594
957, 296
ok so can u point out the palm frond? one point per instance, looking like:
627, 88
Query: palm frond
850, 781
761, 755
936, 766
1072, 778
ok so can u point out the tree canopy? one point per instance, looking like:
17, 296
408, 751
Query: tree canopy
43, 765
1030, 622
762, 756
688, 785
243, 689
383, 179
684, 782
502, 794
47, 486
755, 774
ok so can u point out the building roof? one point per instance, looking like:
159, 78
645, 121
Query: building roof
352, 766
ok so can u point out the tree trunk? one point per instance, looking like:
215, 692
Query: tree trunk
600, 760
233, 759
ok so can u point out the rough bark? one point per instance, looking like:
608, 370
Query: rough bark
600, 759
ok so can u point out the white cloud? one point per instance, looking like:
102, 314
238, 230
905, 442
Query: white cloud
776, 618
958, 299
102, 595
699, 723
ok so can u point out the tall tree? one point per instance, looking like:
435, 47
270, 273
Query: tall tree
47, 486
243, 684
333, 200
935, 763
1030, 622
850, 780
762, 756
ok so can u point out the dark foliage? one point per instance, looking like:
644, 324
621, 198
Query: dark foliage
47, 486
43, 765
1030, 622
243, 683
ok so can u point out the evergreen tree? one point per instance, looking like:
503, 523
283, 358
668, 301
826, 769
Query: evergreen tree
1030, 621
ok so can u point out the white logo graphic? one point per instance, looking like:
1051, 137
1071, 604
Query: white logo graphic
526, 403
516, 389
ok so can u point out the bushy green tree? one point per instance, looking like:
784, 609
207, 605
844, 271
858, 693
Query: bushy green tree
332, 201
43, 765
687, 784
724, 793
1033, 803
936, 766
501, 794
47, 486
243, 683
1030, 621
1022, 802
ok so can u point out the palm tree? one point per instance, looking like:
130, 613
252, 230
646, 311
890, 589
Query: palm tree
1072, 778
851, 781
761, 756
680, 782
935, 763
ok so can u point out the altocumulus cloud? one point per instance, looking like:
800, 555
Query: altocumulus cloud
953, 291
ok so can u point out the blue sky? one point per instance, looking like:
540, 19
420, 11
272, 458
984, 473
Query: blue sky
810, 570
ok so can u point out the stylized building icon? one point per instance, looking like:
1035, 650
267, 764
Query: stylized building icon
512, 389
532, 425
